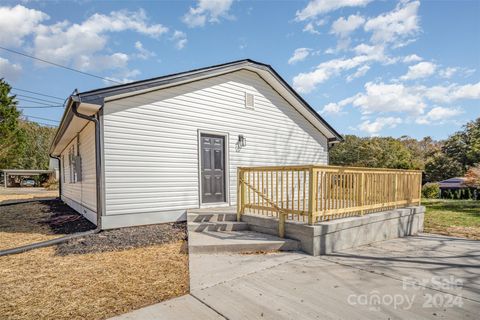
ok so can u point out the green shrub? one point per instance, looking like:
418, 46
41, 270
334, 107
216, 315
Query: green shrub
431, 190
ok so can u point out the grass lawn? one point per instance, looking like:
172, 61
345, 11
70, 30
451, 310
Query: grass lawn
460, 218
94, 277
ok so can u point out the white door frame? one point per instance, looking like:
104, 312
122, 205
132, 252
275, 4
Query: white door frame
227, 168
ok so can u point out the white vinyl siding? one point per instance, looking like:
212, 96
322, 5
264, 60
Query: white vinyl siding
151, 140
83, 191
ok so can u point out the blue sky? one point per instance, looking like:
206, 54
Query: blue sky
387, 68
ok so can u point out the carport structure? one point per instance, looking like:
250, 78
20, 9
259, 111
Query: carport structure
20, 173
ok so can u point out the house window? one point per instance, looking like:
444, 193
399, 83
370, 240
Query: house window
73, 164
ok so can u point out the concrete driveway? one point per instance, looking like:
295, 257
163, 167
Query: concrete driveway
421, 277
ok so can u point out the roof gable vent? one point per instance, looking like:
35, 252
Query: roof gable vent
249, 101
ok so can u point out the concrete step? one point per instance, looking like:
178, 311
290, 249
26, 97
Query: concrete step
211, 217
217, 226
238, 242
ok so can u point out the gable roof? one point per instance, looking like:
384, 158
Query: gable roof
265, 71
457, 182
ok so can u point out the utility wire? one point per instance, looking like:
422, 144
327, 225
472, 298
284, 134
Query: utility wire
40, 118
59, 65
38, 93
40, 107
37, 102
39, 99
42, 123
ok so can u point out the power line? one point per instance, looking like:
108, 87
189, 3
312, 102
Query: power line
42, 123
40, 118
39, 99
37, 102
38, 93
59, 65
40, 107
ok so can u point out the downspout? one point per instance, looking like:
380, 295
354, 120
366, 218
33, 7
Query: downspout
59, 175
98, 168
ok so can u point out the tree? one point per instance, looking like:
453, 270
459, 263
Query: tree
23, 144
441, 167
421, 150
12, 138
372, 152
464, 146
473, 177
37, 143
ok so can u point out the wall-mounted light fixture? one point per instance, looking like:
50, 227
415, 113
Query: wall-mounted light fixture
242, 141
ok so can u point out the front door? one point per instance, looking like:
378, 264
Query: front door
213, 168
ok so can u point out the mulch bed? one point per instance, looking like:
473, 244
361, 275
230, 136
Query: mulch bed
64, 220
125, 238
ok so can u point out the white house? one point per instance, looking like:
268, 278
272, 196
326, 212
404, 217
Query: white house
146, 151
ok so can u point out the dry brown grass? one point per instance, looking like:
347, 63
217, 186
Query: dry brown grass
40, 284
26, 193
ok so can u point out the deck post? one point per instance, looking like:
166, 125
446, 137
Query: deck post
312, 194
419, 184
5, 174
395, 188
281, 224
240, 193
362, 193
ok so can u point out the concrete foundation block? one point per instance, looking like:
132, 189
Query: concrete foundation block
331, 236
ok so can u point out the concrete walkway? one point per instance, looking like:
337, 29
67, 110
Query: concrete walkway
421, 277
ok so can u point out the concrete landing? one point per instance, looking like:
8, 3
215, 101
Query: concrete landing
237, 241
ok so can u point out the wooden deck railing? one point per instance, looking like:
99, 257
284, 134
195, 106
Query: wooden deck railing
314, 193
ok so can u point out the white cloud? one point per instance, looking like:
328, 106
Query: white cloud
8, 70
300, 54
180, 39
308, 81
80, 44
381, 97
207, 11
451, 93
142, 52
412, 58
318, 7
447, 72
343, 27
311, 27
398, 24
411, 100
124, 76
359, 73
103, 62
423, 69
374, 127
18, 22
439, 115
336, 108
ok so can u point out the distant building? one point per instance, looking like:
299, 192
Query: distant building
455, 188
453, 183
